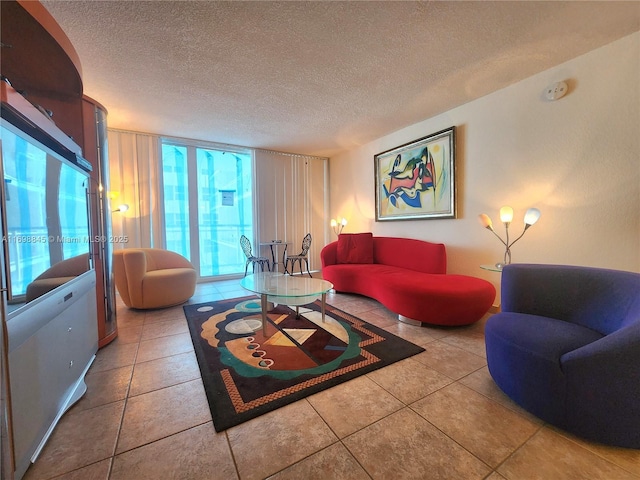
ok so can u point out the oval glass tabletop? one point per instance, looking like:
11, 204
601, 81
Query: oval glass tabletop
280, 285
285, 289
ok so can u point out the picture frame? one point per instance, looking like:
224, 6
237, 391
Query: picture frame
417, 180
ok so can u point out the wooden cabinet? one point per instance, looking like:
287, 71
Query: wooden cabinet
48, 344
40, 62
95, 150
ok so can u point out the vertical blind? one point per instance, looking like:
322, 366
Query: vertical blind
292, 195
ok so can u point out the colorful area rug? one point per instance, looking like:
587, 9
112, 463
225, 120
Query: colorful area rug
247, 374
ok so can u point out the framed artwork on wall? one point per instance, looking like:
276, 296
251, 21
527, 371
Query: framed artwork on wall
417, 180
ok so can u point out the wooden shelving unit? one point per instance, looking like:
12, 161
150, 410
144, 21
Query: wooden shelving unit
44, 68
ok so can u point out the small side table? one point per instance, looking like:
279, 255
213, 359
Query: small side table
491, 268
274, 244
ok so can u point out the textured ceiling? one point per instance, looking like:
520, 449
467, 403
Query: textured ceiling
317, 77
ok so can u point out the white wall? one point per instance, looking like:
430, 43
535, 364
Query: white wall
576, 159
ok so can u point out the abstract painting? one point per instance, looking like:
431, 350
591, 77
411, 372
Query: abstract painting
417, 180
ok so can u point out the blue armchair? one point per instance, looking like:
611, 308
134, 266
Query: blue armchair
566, 347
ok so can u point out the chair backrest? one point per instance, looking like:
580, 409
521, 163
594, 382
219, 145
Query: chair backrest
306, 244
161, 259
601, 299
246, 246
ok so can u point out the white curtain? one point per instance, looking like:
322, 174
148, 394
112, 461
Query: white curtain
292, 200
135, 180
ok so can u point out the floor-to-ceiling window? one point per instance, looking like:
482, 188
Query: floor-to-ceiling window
208, 205
198, 198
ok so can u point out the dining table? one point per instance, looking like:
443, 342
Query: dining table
274, 245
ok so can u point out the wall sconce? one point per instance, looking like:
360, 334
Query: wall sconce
122, 208
506, 216
338, 225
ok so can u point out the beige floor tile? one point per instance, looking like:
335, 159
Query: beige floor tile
385, 312
164, 372
95, 471
164, 329
353, 405
269, 443
626, 458
481, 382
164, 347
405, 446
81, 438
197, 453
105, 387
164, 314
449, 360
239, 292
495, 476
551, 455
334, 298
231, 286
341, 299
333, 463
114, 355
471, 341
409, 380
373, 317
439, 331
155, 415
480, 324
205, 298
204, 288
418, 335
129, 334
129, 318
361, 305
485, 428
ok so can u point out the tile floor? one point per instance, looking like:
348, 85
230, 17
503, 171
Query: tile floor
437, 415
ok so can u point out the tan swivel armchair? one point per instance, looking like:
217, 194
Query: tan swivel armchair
153, 278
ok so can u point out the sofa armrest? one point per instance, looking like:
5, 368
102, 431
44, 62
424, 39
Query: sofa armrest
603, 383
618, 350
135, 264
329, 254
135, 268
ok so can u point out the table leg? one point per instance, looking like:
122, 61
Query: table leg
324, 301
273, 258
284, 260
263, 305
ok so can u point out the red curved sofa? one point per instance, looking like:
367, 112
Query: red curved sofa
407, 276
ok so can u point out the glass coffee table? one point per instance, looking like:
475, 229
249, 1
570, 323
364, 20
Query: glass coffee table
287, 290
